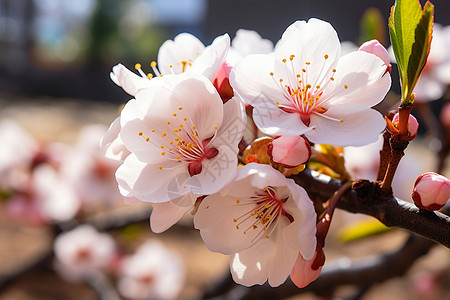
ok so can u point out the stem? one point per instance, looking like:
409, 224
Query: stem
398, 143
385, 153
403, 120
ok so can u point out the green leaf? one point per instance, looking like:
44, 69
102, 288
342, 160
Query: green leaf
410, 32
421, 46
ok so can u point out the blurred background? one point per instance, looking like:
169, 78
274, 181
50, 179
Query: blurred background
55, 59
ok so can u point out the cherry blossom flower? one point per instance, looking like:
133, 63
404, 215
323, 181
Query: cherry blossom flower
179, 146
431, 191
247, 42
184, 53
90, 173
263, 220
82, 252
153, 272
289, 151
305, 87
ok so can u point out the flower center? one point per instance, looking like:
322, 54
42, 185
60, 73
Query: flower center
303, 86
181, 142
265, 208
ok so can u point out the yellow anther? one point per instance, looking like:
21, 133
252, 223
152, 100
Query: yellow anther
175, 130
234, 220
237, 226
178, 158
326, 56
181, 125
163, 153
171, 142
341, 121
266, 236
277, 102
153, 64
281, 80
180, 108
185, 119
150, 75
153, 130
307, 63
193, 127
170, 66
140, 133
160, 167
345, 86
163, 134
266, 188
137, 66
147, 139
292, 57
334, 70
215, 127
168, 122
174, 114
271, 73
308, 86
298, 75
284, 60
238, 201
331, 78
317, 86
162, 146
303, 70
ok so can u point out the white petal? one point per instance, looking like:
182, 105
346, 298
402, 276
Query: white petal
360, 77
249, 42
129, 81
273, 121
166, 214
200, 101
310, 42
111, 143
150, 184
216, 172
300, 235
268, 260
360, 126
208, 63
251, 79
233, 125
185, 47
215, 220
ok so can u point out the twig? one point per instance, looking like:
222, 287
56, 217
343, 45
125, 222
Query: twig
391, 211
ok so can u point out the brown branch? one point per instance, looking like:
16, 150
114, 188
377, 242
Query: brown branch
391, 211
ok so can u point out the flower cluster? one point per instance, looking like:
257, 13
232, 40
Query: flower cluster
180, 139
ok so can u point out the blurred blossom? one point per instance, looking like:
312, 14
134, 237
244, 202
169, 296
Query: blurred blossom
82, 252
153, 272
247, 42
89, 172
362, 163
185, 12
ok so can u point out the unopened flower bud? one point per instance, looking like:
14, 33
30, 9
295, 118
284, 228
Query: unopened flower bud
289, 151
413, 125
431, 191
222, 82
376, 48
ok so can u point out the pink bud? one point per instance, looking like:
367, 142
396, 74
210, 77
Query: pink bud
289, 151
413, 125
222, 82
431, 191
303, 272
376, 48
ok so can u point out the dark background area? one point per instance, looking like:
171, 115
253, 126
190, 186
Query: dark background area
28, 69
